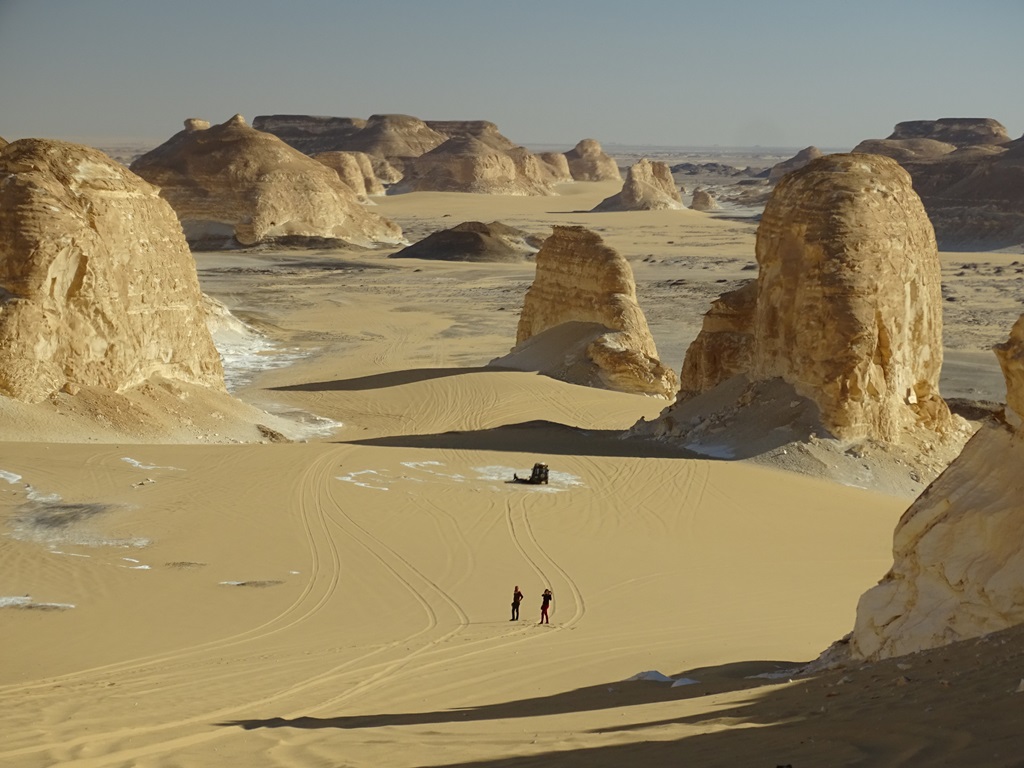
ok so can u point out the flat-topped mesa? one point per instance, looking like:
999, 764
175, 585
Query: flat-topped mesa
649, 186
588, 162
231, 181
581, 322
355, 170
799, 160
958, 564
958, 131
849, 305
310, 134
466, 164
970, 177
97, 285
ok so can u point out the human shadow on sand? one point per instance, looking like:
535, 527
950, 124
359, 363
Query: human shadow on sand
548, 437
384, 380
611, 695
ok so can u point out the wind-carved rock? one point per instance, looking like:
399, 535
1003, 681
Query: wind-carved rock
97, 285
467, 164
703, 200
844, 335
799, 160
232, 181
3, 142
581, 322
588, 162
958, 563
649, 186
355, 170
473, 241
557, 165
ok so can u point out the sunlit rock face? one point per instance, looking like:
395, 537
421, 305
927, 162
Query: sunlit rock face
581, 321
958, 563
232, 183
703, 201
355, 170
849, 306
649, 186
97, 285
725, 345
467, 164
588, 162
557, 166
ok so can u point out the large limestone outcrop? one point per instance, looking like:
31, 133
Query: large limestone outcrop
799, 160
958, 569
970, 177
557, 165
473, 241
849, 306
588, 162
232, 181
703, 200
97, 285
467, 164
581, 321
355, 169
649, 186
847, 314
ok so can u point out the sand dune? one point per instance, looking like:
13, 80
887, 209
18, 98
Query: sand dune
345, 601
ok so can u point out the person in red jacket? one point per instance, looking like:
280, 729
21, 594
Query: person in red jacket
544, 605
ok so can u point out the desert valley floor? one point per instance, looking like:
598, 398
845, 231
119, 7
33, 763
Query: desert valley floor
343, 599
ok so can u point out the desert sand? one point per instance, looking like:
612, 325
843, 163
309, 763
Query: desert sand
343, 599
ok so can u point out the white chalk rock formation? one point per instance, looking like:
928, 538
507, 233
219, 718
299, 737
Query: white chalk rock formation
467, 164
3, 142
581, 322
799, 160
355, 170
958, 569
703, 200
849, 305
588, 162
232, 181
649, 186
557, 166
97, 285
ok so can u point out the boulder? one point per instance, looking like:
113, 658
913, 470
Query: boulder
97, 285
233, 184
581, 322
473, 241
588, 162
799, 160
649, 186
355, 170
466, 164
958, 564
703, 200
196, 124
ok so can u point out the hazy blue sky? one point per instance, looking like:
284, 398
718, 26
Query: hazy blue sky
546, 71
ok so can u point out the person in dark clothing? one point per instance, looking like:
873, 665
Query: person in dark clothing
517, 598
545, 603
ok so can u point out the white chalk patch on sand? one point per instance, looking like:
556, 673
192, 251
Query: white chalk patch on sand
26, 602
351, 478
684, 681
67, 554
651, 674
137, 567
231, 583
10, 477
422, 466
131, 560
140, 465
46, 498
15, 602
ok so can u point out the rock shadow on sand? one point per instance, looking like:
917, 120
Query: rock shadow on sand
385, 380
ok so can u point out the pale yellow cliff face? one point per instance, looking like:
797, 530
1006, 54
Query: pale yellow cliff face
649, 186
849, 306
355, 171
588, 162
580, 280
231, 180
725, 345
97, 284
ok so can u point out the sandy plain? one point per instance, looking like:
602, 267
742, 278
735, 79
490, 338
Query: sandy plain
343, 600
